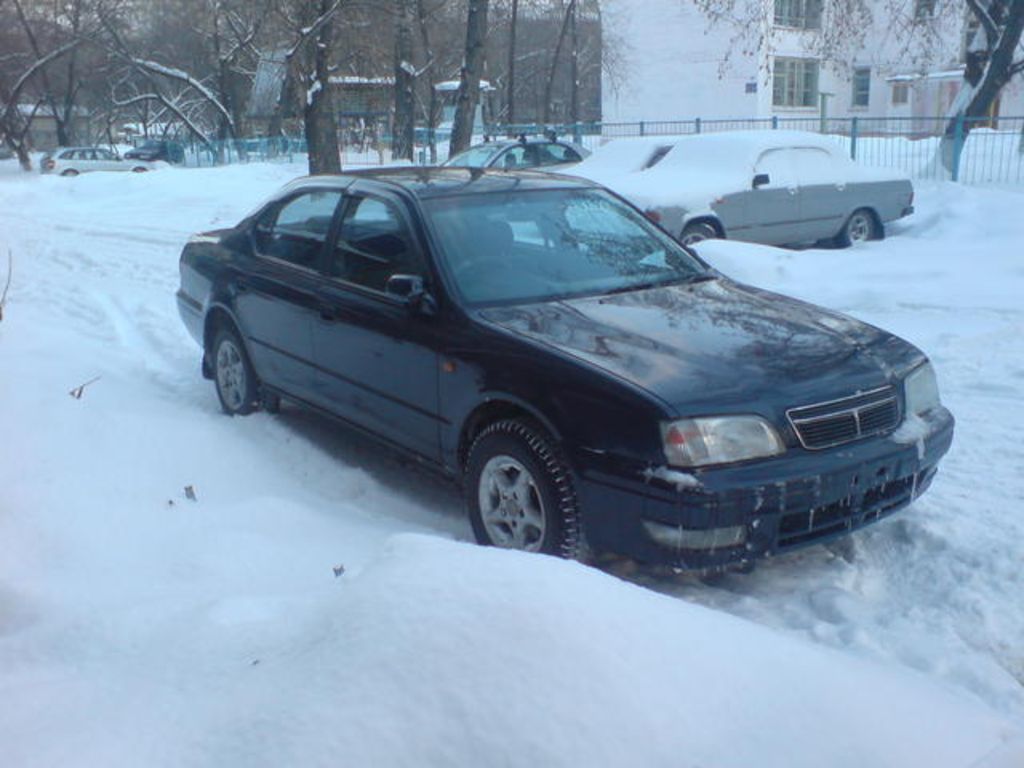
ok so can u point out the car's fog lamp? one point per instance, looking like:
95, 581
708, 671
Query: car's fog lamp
921, 390
677, 537
718, 440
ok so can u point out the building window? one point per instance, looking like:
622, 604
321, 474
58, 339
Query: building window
795, 82
924, 9
900, 93
801, 14
861, 87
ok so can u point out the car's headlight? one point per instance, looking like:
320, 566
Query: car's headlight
718, 440
921, 390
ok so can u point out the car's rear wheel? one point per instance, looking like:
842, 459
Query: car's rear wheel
69, 172
859, 228
697, 231
233, 375
139, 169
519, 491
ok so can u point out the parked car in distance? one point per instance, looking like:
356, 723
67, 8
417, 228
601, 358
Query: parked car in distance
152, 150
583, 375
71, 161
520, 154
773, 187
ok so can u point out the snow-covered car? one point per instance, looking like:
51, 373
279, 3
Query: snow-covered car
773, 187
519, 154
581, 373
71, 161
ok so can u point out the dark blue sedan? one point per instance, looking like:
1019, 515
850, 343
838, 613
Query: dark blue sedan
588, 380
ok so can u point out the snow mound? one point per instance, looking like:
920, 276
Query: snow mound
439, 653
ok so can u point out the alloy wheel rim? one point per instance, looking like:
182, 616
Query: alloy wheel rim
511, 506
230, 374
860, 228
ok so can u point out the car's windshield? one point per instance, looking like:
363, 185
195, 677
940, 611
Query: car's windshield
475, 157
521, 247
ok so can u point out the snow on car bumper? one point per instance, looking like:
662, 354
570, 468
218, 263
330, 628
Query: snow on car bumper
733, 515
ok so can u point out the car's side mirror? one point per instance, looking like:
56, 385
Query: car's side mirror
761, 180
412, 291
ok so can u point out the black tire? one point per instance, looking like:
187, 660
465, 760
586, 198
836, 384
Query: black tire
696, 231
69, 172
518, 442
859, 228
139, 169
233, 374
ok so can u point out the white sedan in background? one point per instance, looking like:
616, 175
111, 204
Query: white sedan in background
71, 161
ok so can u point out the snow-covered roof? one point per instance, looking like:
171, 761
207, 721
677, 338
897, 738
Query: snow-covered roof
453, 85
946, 74
45, 111
903, 78
357, 80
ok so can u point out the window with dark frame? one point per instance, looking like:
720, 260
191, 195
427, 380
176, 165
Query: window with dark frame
861, 87
795, 82
798, 14
900, 93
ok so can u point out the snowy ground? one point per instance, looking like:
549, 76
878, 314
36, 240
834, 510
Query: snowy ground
140, 627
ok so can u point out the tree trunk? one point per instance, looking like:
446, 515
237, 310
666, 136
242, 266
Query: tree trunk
469, 81
549, 87
403, 134
510, 97
433, 104
574, 73
321, 123
986, 72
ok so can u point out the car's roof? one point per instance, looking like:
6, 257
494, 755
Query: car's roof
428, 182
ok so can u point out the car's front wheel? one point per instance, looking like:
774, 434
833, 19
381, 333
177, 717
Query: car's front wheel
233, 374
697, 231
69, 172
519, 491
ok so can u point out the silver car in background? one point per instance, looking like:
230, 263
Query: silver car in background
520, 154
773, 187
71, 161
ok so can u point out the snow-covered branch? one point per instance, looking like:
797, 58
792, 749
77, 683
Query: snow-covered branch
180, 75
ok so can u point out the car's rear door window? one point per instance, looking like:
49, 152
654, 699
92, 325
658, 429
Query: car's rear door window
296, 232
816, 166
780, 165
556, 154
374, 243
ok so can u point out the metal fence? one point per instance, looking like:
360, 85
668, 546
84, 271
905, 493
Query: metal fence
975, 151
986, 151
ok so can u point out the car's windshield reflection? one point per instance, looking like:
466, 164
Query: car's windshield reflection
542, 245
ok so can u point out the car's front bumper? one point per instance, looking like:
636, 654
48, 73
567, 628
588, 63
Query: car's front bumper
776, 505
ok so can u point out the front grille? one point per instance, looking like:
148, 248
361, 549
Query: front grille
824, 425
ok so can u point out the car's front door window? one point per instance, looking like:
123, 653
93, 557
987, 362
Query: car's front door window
373, 244
297, 231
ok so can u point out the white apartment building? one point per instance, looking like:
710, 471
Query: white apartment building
670, 63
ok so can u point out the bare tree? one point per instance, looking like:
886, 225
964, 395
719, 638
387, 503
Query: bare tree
570, 11
403, 133
470, 75
510, 75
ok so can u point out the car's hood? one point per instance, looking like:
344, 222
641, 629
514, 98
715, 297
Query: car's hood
716, 344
